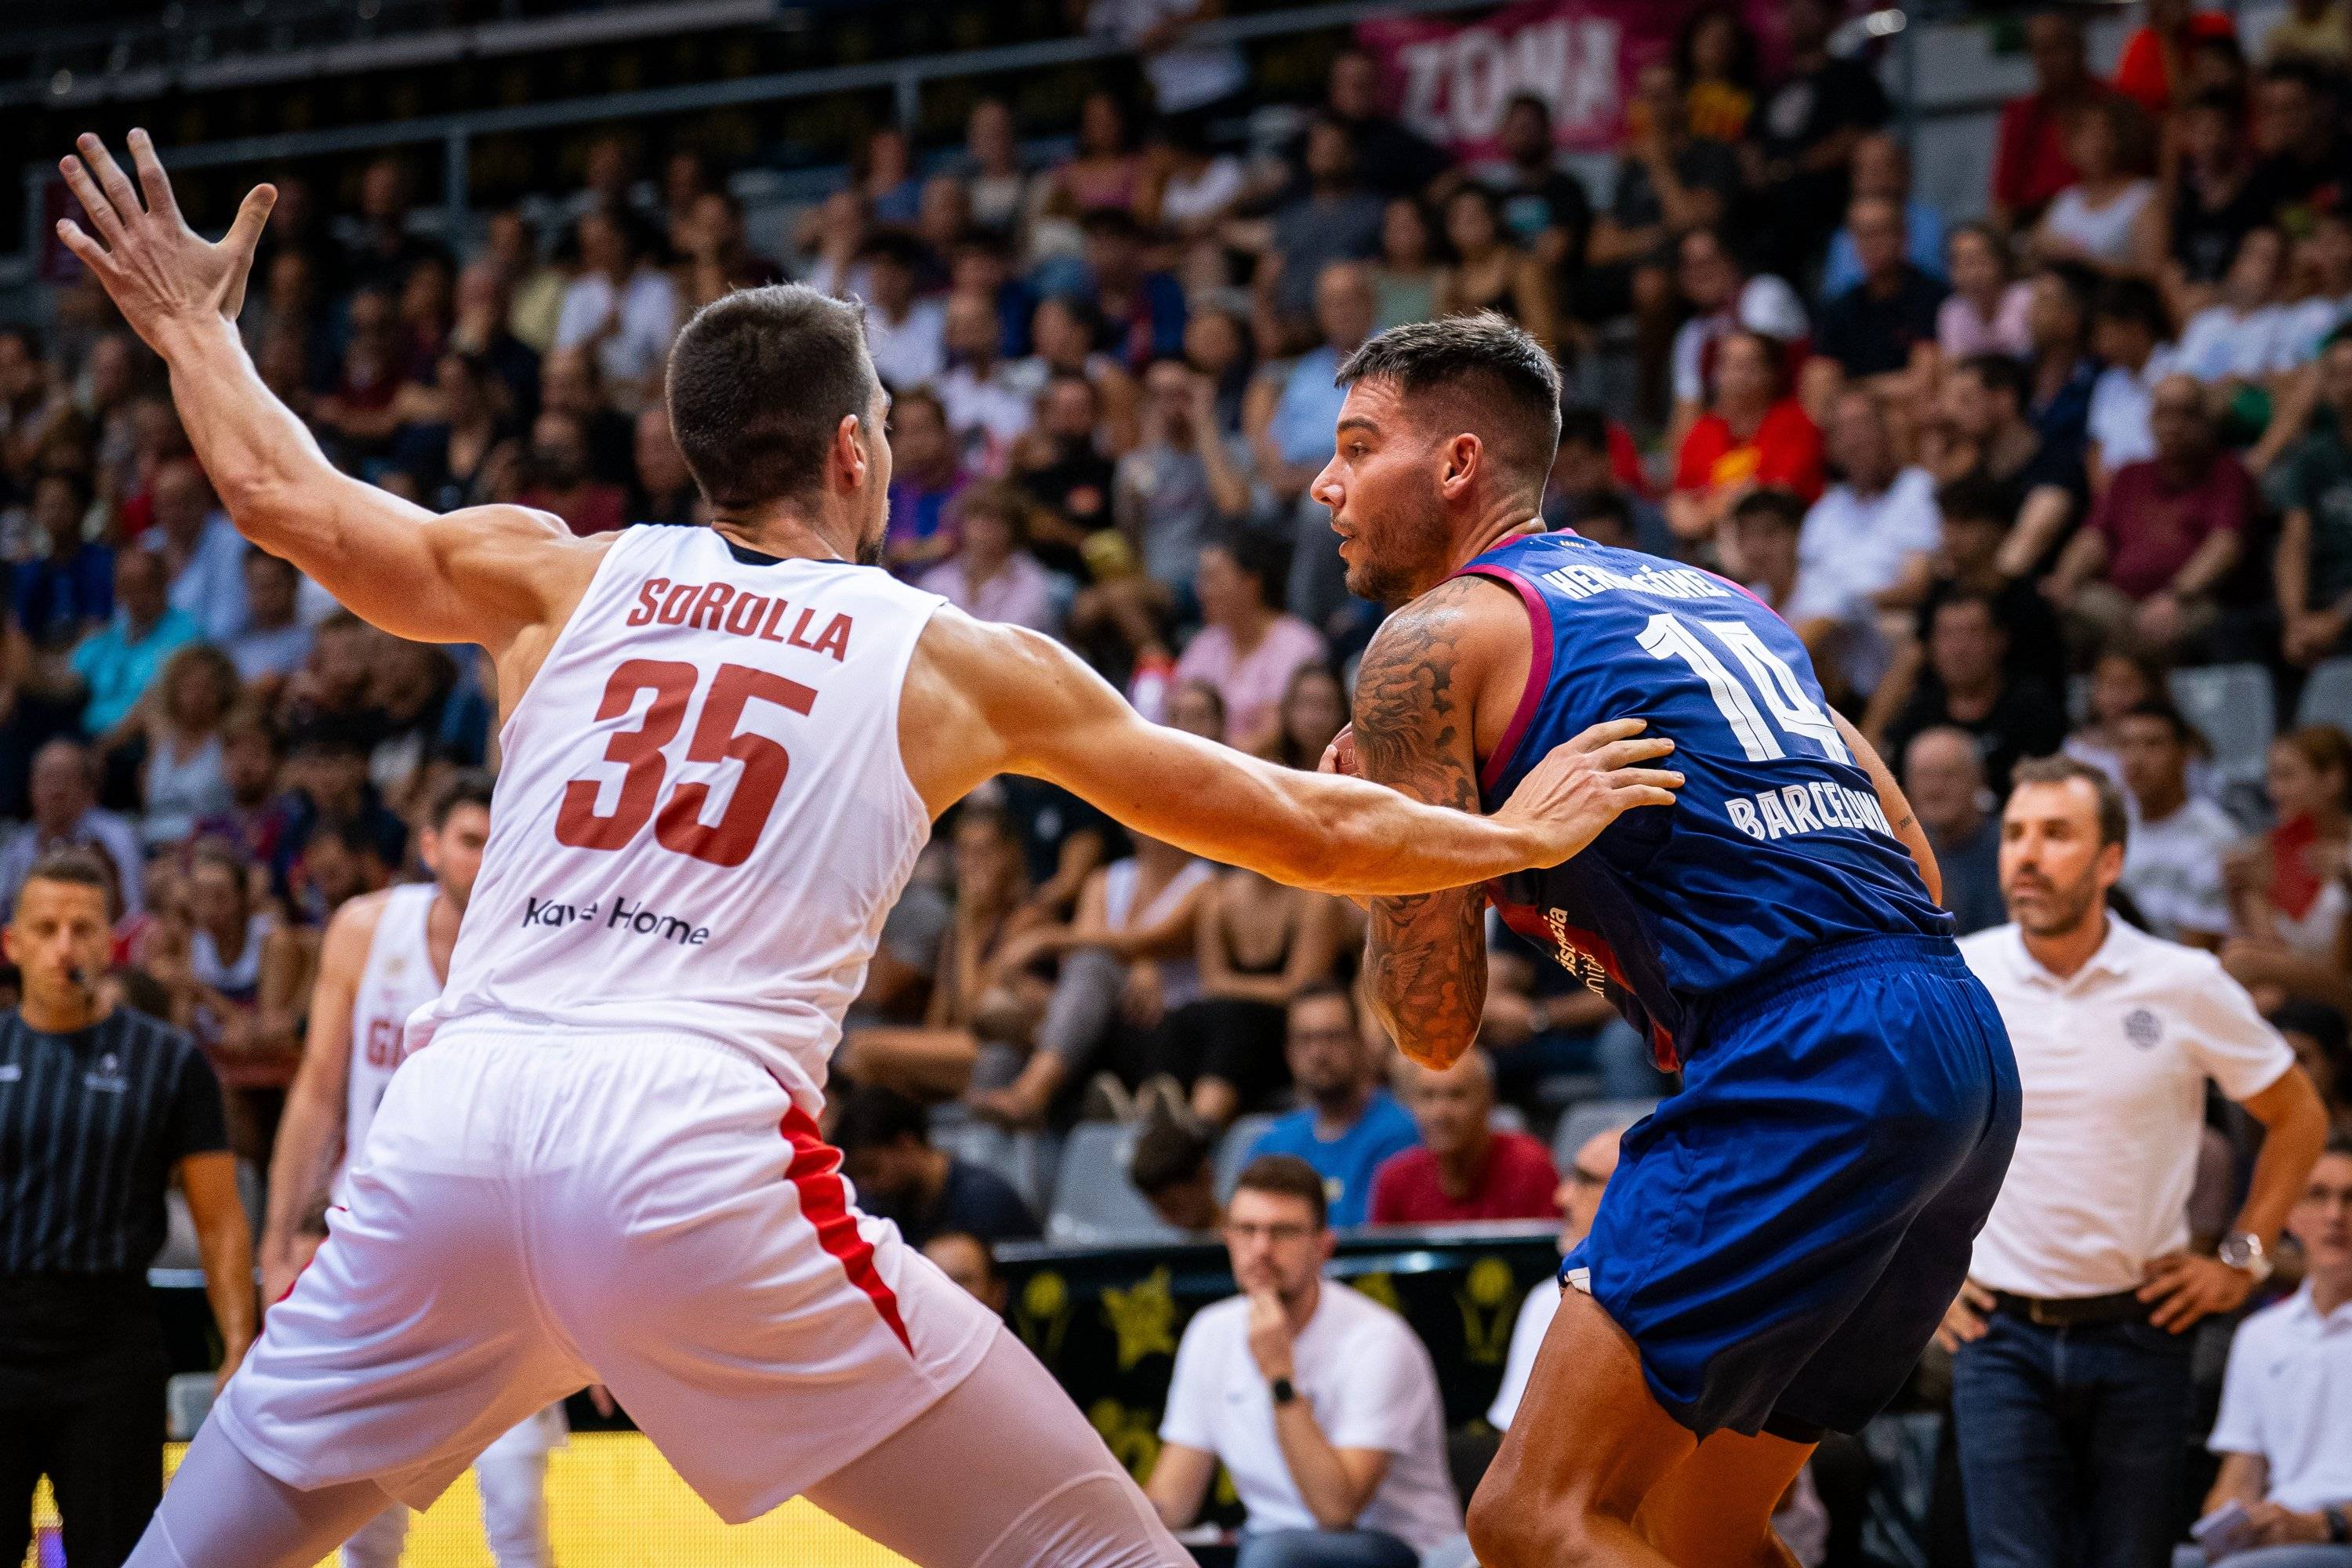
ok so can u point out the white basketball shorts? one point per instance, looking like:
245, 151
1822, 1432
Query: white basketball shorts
535, 1211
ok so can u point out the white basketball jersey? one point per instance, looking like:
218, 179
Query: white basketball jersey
703, 816
398, 979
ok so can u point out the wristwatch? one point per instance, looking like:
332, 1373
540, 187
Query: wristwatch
1282, 1391
2242, 1250
2339, 1528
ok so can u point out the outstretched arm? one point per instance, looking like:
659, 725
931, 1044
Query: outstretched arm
1425, 954
982, 699
480, 576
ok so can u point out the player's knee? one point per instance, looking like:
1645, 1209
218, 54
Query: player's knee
1521, 1526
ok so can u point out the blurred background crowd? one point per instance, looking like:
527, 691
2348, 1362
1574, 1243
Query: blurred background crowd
2074, 475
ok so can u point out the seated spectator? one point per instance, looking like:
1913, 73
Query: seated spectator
1968, 685
1106, 170
2300, 159
2213, 205
1578, 1199
328, 766
1248, 648
2131, 335
66, 590
1350, 1123
2284, 1431
1869, 543
1882, 169
1723, 301
255, 820
2321, 273
562, 481
570, 382
480, 333
1757, 436
2059, 372
2162, 538
275, 641
1805, 133
183, 778
2173, 859
1587, 475
1986, 310
2154, 56
2037, 484
430, 719
2313, 490
2286, 891
971, 1264
2323, 1048
1464, 1169
1944, 778
2031, 164
906, 333
202, 551
1173, 1165
2241, 337
992, 575
1185, 483
446, 455
1190, 187
327, 864
886, 1152
1545, 208
1144, 307
116, 665
2110, 219
718, 256
210, 960
1314, 711
1289, 415
1407, 273
1881, 325
1064, 466
665, 491
1759, 550
1321, 1404
619, 307
1715, 54
65, 815
990, 401
925, 475
1335, 218
1490, 271
1127, 957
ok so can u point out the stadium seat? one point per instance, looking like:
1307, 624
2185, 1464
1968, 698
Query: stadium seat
1025, 1158
1094, 1203
2328, 695
1593, 1116
188, 1400
2230, 705
1234, 1151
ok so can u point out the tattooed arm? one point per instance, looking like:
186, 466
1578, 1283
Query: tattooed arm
1416, 697
1892, 800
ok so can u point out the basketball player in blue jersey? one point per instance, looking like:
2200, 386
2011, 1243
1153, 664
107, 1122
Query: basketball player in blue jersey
1784, 1233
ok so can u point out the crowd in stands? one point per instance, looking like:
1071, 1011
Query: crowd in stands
2008, 477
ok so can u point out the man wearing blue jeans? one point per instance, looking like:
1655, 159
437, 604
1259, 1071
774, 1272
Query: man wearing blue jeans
2070, 1395
1320, 1402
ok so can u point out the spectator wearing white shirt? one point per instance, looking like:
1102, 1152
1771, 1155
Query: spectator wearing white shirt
1868, 545
202, 551
1320, 1403
2285, 1434
2072, 1399
2130, 332
2243, 337
906, 335
992, 575
621, 307
2173, 866
990, 402
1722, 301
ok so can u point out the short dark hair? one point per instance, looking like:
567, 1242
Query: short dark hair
2326, 1026
2000, 372
874, 1117
1772, 504
2133, 300
1257, 557
2114, 820
1326, 990
1582, 425
1974, 498
759, 381
76, 868
467, 787
1288, 1176
1169, 1152
1482, 359
2184, 735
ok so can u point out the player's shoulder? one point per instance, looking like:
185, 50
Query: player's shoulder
356, 920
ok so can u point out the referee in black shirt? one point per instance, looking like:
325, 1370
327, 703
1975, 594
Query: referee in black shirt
100, 1109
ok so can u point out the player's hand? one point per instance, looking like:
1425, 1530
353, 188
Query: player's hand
1340, 756
2184, 1287
159, 271
1964, 1320
1587, 784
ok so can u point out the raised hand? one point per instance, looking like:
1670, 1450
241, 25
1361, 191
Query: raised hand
1587, 784
160, 273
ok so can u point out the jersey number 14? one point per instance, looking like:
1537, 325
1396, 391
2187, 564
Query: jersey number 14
1671, 636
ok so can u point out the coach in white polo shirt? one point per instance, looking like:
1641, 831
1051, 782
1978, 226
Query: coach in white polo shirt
2071, 1395
1320, 1401
2285, 1429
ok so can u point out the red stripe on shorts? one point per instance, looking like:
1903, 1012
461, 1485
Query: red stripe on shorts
815, 1175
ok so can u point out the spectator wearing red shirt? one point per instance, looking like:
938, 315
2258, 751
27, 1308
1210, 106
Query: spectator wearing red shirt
2162, 46
1758, 435
2029, 163
1465, 1170
2162, 536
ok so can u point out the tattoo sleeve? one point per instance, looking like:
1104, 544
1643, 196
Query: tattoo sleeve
1426, 955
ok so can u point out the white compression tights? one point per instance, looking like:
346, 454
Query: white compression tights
1033, 1485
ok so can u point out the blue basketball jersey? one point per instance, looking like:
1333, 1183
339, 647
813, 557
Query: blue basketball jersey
1776, 843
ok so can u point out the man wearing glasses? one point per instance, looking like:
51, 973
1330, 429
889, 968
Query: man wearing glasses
1320, 1402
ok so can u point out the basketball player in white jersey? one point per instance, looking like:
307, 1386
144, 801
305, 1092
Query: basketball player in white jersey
724, 748
385, 955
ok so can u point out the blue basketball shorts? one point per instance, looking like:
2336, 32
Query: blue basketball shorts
1783, 1235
